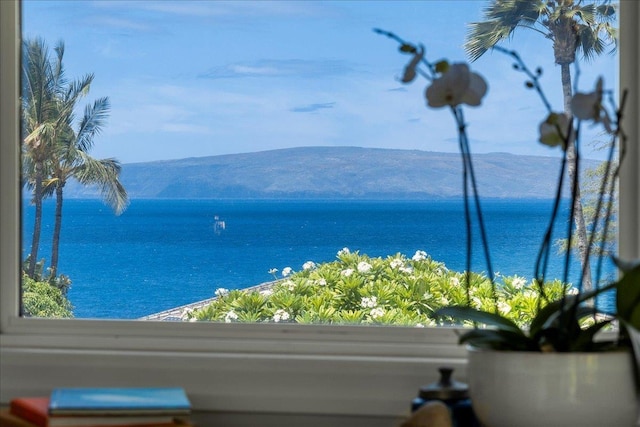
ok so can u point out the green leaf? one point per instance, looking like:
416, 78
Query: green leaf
486, 318
626, 265
498, 340
628, 297
548, 314
584, 340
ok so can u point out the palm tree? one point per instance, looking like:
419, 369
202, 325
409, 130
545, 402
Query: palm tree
573, 26
42, 113
52, 151
70, 159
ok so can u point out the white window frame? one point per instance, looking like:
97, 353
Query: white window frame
239, 367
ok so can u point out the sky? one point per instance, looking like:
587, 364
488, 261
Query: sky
202, 78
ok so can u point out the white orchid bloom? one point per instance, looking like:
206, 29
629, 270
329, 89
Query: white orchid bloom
410, 70
554, 130
588, 106
457, 85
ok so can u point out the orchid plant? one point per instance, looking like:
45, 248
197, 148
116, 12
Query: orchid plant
570, 322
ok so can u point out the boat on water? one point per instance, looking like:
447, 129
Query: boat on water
218, 225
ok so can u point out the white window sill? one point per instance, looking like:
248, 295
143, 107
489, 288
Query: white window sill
364, 371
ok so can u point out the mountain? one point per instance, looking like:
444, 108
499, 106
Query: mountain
336, 172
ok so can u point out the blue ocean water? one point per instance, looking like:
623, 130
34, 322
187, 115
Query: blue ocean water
165, 253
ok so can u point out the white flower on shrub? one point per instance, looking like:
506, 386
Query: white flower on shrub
344, 251
376, 312
286, 271
419, 256
280, 315
230, 316
503, 307
321, 282
419, 325
518, 282
529, 293
457, 85
364, 267
309, 265
454, 281
220, 292
396, 263
266, 292
369, 302
273, 271
290, 284
406, 270
346, 273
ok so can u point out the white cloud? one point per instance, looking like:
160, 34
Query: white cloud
281, 68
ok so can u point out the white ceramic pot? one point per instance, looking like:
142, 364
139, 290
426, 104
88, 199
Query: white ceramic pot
527, 389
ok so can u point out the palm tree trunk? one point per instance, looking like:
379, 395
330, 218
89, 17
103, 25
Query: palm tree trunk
56, 232
37, 224
578, 217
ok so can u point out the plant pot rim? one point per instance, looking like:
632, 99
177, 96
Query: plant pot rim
616, 350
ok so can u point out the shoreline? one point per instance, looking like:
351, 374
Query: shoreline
177, 314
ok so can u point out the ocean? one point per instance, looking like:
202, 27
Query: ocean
160, 254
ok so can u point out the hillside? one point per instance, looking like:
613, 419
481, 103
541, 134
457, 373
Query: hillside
336, 172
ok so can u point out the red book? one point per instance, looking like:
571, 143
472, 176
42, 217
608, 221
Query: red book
35, 410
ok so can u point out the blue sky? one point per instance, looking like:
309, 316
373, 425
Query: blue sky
200, 78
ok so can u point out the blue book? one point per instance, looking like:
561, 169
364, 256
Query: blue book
119, 401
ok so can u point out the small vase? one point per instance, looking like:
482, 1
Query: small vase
529, 389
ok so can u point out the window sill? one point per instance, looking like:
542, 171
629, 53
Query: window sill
294, 369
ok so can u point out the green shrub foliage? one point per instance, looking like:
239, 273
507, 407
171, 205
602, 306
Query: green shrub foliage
358, 289
42, 299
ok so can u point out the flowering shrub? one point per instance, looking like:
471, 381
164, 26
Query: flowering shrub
358, 289
40, 299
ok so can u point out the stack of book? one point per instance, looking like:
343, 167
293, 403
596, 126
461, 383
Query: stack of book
100, 407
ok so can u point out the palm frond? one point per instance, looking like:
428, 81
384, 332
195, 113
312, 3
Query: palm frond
607, 12
587, 14
590, 44
92, 122
105, 174
502, 17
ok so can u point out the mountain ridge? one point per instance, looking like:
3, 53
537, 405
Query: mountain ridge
335, 172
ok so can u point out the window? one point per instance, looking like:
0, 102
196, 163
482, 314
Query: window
316, 369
